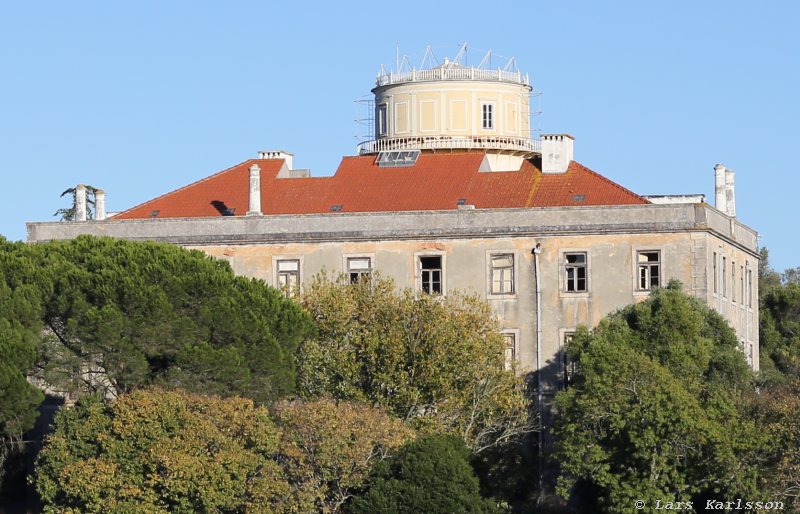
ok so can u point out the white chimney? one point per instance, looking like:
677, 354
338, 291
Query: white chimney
720, 194
278, 154
557, 152
255, 191
99, 205
730, 195
80, 202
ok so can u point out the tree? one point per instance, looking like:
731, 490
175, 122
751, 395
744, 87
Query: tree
659, 408
121, 315
779, 324
780, 334
778, 412
20, 325
162, 451
436, 363
70, 213
329, 448
165, 451
431, 475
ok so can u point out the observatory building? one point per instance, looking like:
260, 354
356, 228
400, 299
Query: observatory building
454, 191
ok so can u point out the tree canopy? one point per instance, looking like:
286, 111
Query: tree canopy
121, 315
659, 408
20, 327
436, 363
431, 475
165, 451
779, 334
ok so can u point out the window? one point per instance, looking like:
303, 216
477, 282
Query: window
430, 274
502, 274
568, 366
714, 266
487, 116
649, 269
358, 268
733, 281
575, 272
510, 351
383, 125
741, 284
724, 277
749, 288
289, 276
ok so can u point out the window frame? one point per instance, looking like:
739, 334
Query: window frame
277, 273
488, 114
348, 257
418, 272
564, 267
512, 363
382, 119
566, 369
715, 273
647, 265
491, 271
724, 276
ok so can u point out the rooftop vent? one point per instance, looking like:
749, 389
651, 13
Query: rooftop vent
278, 154
397, 158
336, 208
153, 214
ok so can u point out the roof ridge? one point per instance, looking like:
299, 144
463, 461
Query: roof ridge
192, 184
608, 180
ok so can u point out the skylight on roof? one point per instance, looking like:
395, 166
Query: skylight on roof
397, 158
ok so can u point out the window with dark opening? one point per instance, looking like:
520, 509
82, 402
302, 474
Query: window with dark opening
359, 268
568, 366
575, 272
431, 274
649, 270
487, 116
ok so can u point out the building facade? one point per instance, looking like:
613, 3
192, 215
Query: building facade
453, 193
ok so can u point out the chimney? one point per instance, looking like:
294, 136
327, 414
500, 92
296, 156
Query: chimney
557, 152
278, 154
720, 194
99, 205
80, 202
730, 195
255, 191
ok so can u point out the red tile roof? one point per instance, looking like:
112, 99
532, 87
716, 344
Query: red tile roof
435, 182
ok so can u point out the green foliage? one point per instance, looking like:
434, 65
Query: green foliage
69, 213
431, 475
329, 448
158, 451
779, 334
121, 315
659, 407
436, 363
20, 325
778, 412
161, 451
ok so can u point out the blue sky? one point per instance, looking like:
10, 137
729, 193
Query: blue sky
139, 98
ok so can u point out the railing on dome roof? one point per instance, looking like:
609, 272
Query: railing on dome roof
452, 73
516, 144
